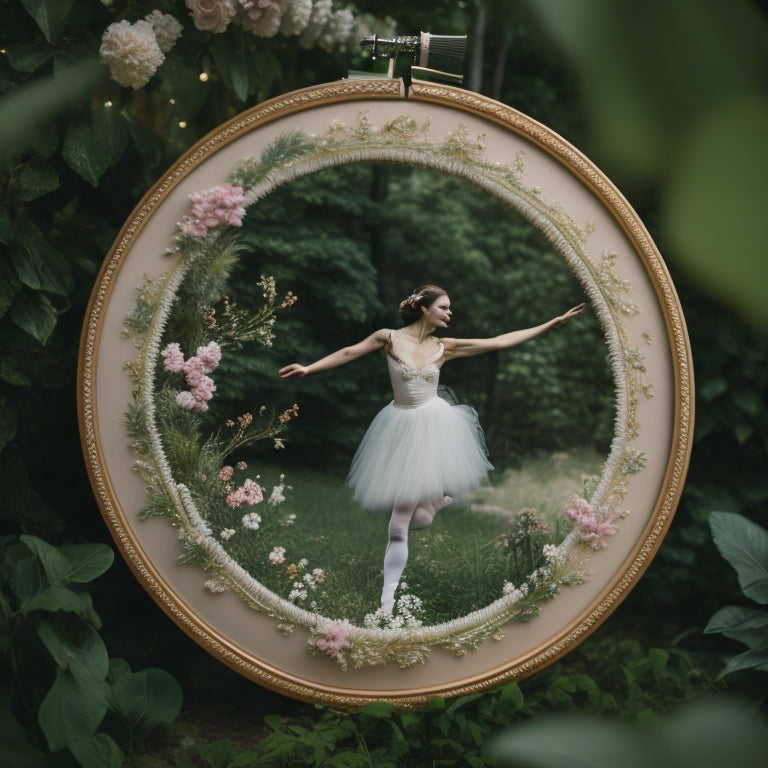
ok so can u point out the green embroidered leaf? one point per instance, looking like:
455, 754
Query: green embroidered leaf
85, 154
745, 546
33, 313
50, 15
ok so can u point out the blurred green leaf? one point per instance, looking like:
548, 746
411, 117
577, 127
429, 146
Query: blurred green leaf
747, 625
745, 546
716, 201
50, 15
38, 264
34, 314
71, 710
84, 153
98, 751
34, 179
82, 653
27, 57
110, 129
146, 699
7, 423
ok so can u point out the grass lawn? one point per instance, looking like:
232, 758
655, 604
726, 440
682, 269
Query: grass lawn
455, 566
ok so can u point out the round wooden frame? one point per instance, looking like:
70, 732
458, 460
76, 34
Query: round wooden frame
555, 173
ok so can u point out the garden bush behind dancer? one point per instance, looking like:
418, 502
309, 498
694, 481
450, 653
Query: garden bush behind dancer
420, 452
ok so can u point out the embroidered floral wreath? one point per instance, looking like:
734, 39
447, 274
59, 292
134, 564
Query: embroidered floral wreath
173, 389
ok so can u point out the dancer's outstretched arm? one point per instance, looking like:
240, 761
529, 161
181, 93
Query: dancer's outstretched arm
467, 347
375, 341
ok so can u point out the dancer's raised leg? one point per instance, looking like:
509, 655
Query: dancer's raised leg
425, 512
396, 555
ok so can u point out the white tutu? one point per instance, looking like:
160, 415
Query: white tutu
419, 447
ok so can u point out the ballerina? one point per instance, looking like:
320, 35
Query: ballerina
420, 452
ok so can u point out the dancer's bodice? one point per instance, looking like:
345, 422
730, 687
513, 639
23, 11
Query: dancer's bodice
412, 387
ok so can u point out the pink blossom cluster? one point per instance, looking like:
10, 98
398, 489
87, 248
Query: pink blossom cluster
333, 640
248, 493
195, 370
591, 530
222, 204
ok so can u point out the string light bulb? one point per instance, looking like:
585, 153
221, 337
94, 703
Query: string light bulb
203, 77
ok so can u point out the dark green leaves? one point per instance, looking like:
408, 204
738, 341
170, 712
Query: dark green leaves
38, 264
745, 546
50, 15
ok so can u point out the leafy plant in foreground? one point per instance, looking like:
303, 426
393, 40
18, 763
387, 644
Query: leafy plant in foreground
64, 687
745, 546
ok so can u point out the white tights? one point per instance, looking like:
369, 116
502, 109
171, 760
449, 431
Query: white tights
404, 518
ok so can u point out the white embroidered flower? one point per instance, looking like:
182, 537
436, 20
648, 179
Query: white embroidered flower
167, 29
131, 52
296, 17
211, 15
215, 586
277, 555
252, 521
227, 533
512, 593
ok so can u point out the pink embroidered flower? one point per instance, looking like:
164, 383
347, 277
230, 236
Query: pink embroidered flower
204, 389
333, 640
174, 358
225, 473
209, 356
252, 492
235, 499
219, 205
591, 530
186, 400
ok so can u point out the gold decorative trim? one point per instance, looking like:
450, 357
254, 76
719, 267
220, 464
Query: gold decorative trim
463, 101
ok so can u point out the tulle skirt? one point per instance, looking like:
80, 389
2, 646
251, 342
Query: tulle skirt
418, 454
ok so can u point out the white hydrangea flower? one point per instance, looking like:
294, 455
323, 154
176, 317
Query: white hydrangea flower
321, 11
131, 52
296, 17
337, 29
367, 25
167, 29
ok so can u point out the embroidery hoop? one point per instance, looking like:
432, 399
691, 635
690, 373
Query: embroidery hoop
222, 624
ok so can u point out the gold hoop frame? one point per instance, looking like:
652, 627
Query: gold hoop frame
556, 173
